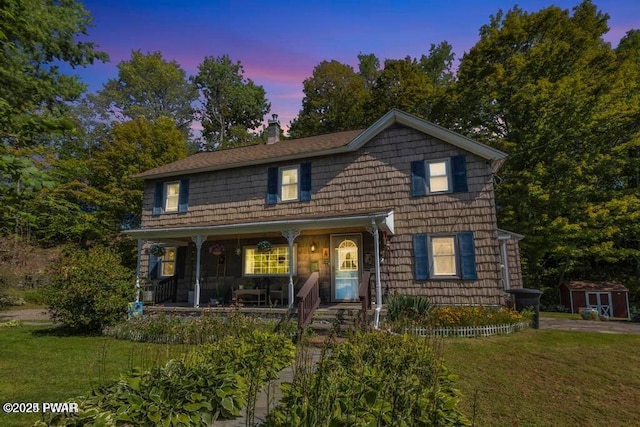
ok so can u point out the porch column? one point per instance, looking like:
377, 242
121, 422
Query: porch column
198, 240
291, 235
376, 250
140, 243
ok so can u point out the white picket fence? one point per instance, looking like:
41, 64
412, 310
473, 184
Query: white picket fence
467, 331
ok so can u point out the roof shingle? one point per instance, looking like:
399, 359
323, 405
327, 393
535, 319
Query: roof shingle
252, 154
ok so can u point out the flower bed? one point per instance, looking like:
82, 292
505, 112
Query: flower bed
461, 321
209, 328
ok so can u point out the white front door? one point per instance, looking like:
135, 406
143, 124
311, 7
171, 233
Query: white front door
346, 266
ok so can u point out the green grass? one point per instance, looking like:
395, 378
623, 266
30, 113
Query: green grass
548, 378
531, 378
38, 364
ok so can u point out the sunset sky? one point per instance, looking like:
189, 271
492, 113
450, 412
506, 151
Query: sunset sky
279, 43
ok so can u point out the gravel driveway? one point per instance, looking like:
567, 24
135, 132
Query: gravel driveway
28, 314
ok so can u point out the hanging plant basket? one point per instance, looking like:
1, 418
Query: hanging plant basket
264, 246
156, 250
216, 249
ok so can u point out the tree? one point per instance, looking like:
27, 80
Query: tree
403, 85
334, 101
150, 87
134, 146
546, 88
36, 37
231, 104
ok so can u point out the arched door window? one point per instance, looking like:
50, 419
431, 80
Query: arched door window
348, 256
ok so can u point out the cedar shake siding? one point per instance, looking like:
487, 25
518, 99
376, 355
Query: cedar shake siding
375, 177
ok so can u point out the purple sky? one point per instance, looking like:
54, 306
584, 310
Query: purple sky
279, 43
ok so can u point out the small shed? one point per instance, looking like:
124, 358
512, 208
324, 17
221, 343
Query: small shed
609, 298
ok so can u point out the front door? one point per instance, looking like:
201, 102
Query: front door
600, 301
346, 255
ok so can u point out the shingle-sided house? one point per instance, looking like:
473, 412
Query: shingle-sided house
405, 199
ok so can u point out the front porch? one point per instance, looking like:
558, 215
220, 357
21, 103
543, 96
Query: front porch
222, 266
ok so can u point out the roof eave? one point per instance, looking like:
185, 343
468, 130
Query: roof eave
255, 162
384, 219
495, 156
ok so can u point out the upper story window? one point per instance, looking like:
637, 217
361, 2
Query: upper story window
172, 194
289, 177
439, 176
171, 197
289, 183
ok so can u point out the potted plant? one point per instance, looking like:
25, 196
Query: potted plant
156, 250
264, 246
216, 249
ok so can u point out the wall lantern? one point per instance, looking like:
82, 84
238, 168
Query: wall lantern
313, 247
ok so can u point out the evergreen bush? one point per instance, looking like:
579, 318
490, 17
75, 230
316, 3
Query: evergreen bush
90, 289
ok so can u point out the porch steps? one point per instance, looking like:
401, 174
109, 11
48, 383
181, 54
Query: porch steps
341, 319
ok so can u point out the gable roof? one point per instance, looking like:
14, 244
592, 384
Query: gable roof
583, 285
321, 145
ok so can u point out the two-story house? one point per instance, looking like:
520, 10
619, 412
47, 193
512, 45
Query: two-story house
406, 199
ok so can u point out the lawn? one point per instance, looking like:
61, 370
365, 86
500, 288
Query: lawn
549, 378
38, 364
531, 378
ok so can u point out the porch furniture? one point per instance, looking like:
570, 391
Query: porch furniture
260, 294
279, 292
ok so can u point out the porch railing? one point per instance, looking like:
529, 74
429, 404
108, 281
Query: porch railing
364, 291
166, 289
308, 300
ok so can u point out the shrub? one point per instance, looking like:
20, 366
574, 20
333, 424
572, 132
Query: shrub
446, 316
176, 394
214, 381
208, 328
90, 289
374, 379
452, 316
414, 307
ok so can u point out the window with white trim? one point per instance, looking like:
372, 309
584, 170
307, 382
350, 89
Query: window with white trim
274, 263
171, 196
443, 250
289, 178
168, 262
439, 176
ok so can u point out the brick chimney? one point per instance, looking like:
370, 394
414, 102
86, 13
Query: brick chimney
273, 130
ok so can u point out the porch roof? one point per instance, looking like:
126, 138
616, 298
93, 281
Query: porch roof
384, 221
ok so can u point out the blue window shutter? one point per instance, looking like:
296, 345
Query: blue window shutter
158, 198
467, 256
459, 173
305, 181
154, 267
183, 198
181, 258
272, 186
418, 181
421, 256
